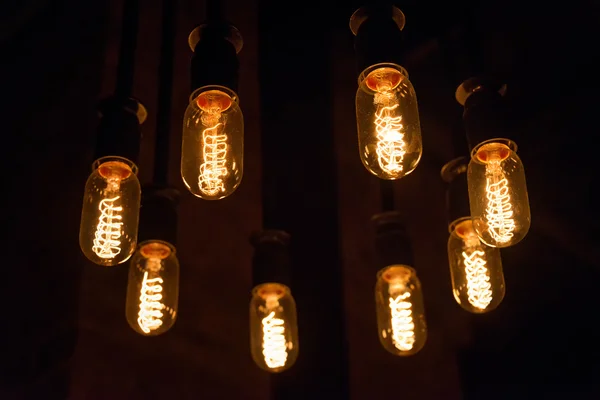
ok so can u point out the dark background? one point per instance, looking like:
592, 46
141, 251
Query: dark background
64, 333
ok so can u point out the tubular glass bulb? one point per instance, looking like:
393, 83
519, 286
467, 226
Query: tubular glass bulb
273, 327
389, 133
498, 193
153, 288
212, 151
400, 310
476, 269
111, 207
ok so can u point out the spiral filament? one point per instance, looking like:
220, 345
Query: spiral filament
274, 342
108, 231
390, 138
499, 213
150, 314
403, 327
213, 169
478, 281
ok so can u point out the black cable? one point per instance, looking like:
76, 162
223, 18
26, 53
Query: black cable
387, 195
126, 66
474, 39
214, 11
165, 91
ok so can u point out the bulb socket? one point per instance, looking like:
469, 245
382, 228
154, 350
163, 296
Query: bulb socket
454, 173
392, 242
215, 61
271, 261
158, 214
485, 114
378, 35
119, 130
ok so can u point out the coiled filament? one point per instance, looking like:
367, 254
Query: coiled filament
403, 327
478, 282
274, 343
499, 211
213, 169
108, 231
390, 139
150, 314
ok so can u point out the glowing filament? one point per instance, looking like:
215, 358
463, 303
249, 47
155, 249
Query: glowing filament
499, 209
390, 139
108, 231
213, 169
274, 343
403, 327
478, 282
150, 314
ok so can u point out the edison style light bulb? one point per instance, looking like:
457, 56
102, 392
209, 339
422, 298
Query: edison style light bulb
153, 288
110, 213
498, 193
389, 133
212, 152
273, 327
400, 310
476, 269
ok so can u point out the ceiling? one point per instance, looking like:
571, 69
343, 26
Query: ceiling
65, 334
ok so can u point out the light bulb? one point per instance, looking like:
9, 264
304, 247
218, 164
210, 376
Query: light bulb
400, 310
476, 269
498, 193
212, 151
389, 133
110, 213
273, 327
153, 288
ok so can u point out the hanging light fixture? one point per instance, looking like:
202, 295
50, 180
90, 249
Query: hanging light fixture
398, 295
111, 201
273, 320
496, 177
475, 269
387, 117
212, 150
153, 284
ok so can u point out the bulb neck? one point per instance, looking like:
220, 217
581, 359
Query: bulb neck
215, 61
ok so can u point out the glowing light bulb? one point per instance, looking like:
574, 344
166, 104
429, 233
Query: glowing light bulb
110, 212
498, 193
212, 152
476, 269
153, 288
389, 133
400, 310
273, 327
